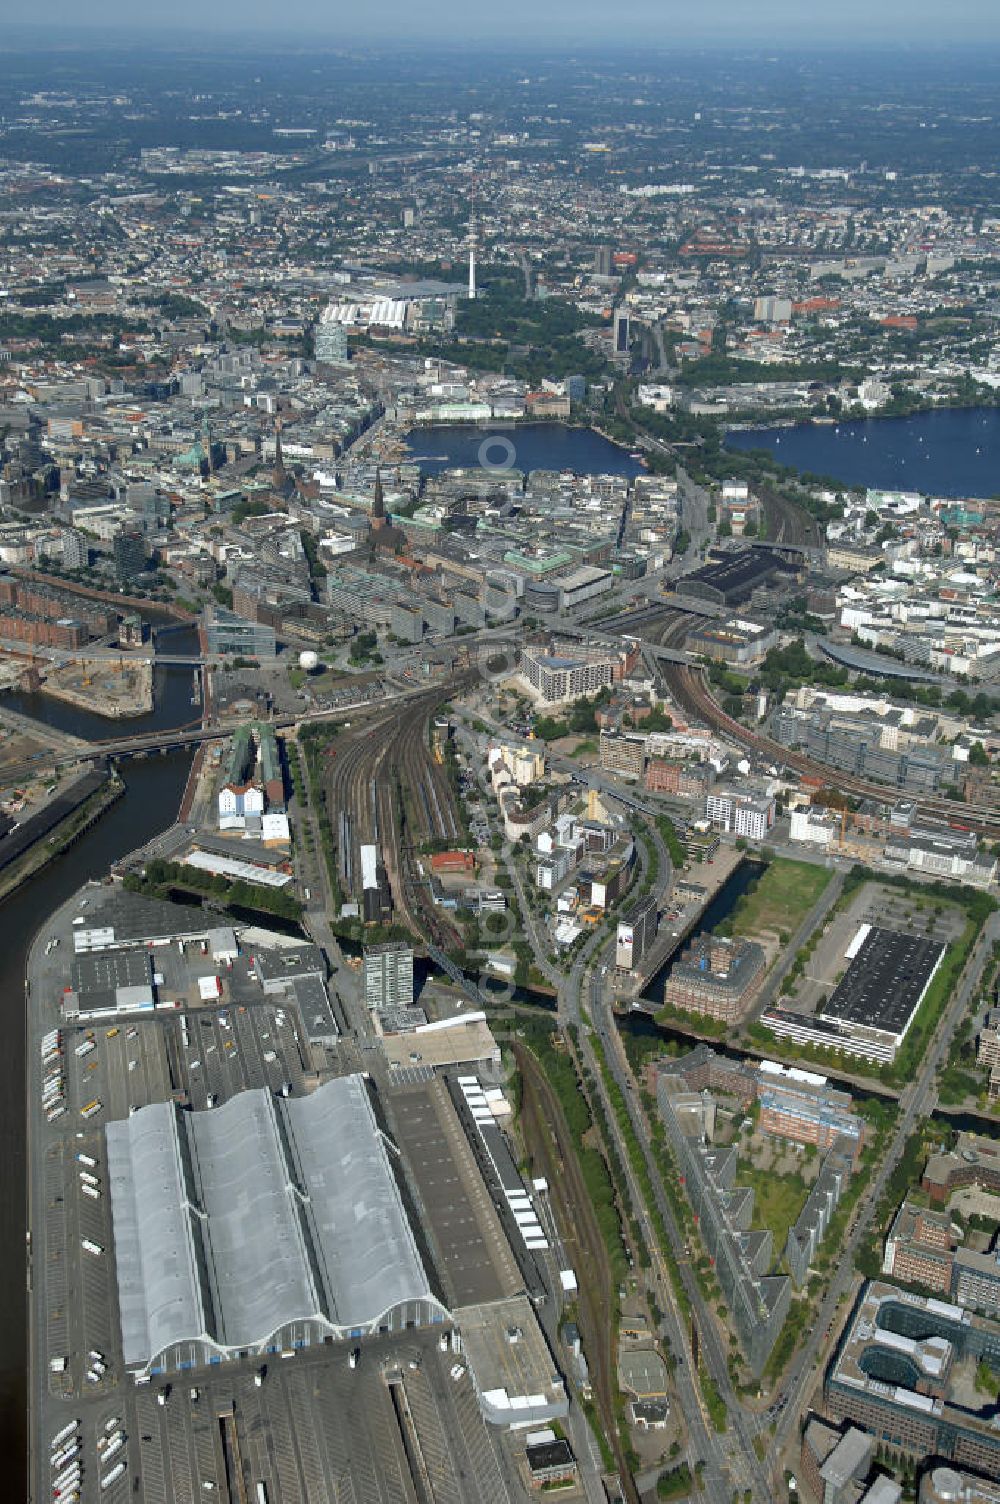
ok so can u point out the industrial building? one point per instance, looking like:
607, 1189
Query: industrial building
730, 578
884, 985
515, 1375
904, 1371
376, 894
257, 1226
871, 1009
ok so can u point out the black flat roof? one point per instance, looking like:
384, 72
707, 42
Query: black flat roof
733, 575
884, 982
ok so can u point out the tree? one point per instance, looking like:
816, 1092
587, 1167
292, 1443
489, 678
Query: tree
978, 756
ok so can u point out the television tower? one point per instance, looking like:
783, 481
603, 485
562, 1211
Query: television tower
472, 242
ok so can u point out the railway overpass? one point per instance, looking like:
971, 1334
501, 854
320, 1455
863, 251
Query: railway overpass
188, 736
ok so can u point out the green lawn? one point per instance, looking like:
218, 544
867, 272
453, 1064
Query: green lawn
782, 898
778, 1199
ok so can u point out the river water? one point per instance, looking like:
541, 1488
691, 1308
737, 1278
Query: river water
948, 452
153, 792
518, 446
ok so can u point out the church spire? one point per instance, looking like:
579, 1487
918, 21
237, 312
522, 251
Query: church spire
378, 504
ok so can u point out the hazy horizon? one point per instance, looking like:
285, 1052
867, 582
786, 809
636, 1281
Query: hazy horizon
773, 25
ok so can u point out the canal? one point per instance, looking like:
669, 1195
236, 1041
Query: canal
152, 796
740, 880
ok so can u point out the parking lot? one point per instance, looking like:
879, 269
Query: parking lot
314, 1432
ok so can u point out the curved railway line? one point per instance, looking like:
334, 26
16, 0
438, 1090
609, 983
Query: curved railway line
688, 687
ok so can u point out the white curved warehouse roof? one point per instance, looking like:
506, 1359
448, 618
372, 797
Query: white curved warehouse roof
234, 1223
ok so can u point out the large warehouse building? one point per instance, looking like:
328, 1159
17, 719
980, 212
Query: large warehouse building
876, 1000
261, 1225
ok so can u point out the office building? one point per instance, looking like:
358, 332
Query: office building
621, 332
949, 1485
801, 1106
918, 1248
811, 1225
405, 622
226, 635
636, 933
832, 1464
716, 977
129, 553
330, 342
904, 1371
741, 814
689, 779
974, 1161
975, 1280
758, 1301
738, 642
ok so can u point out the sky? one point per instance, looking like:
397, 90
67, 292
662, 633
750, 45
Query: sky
577, 24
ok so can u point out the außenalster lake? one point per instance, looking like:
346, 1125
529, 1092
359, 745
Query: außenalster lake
518, 446
949, 452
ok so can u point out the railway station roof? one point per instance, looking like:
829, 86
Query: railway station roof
233, 1224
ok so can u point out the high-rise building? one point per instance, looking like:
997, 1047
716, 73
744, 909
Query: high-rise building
388, 975
622, 333
330, 340
602, 261
129, 549
76, 552
636, 933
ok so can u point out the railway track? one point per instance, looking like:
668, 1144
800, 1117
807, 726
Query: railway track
384, 788
688, 687
547, 1140
787, 523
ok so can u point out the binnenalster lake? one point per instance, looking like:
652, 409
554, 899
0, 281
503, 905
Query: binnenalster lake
948, 452
518, 446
